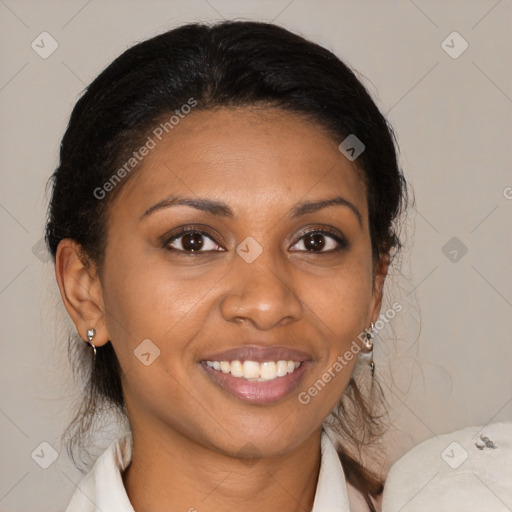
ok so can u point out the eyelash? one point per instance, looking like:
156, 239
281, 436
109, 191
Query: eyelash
342, 243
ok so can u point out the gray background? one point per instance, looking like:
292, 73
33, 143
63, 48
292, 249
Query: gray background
445, 360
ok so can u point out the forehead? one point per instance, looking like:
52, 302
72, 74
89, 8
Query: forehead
246, 157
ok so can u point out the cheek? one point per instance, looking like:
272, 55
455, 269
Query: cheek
342, 301
153, 301
339, 307
149, 321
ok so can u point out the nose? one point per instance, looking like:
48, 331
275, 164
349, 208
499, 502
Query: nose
260, 293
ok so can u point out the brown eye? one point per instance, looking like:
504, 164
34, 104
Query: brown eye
320, 241
192, 241
314, 241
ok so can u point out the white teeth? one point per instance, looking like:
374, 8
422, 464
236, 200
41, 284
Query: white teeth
252, 370
237, 369
268, 370
282, 368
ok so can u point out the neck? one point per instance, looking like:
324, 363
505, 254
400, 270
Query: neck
169, 472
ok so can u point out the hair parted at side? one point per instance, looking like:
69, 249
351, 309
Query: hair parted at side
232, 63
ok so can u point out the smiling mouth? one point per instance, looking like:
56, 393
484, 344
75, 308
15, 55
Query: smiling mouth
254, 371
259, 375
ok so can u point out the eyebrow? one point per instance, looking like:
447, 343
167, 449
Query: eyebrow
221, 209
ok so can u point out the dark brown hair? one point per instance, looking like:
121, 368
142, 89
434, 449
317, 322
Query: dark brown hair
224, 64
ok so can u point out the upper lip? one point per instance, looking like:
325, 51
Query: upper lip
259, 354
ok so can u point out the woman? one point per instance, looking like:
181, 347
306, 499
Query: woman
222, 222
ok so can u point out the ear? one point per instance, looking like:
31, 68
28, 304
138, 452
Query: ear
379, 277
80, 289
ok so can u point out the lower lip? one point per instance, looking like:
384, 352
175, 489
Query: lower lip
257, 392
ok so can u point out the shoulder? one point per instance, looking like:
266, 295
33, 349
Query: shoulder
102, 488
468, 467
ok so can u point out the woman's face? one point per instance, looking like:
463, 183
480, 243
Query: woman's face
246, 283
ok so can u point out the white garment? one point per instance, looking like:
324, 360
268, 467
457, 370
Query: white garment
435, 475
454, 472
102, 489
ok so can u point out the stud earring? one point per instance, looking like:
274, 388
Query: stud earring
90, 336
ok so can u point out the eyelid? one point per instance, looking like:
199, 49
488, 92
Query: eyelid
203, 230
191, 228
326, 230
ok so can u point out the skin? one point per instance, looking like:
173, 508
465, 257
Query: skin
196, 446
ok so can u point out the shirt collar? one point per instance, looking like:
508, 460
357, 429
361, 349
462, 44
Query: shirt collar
102, 489
331, 490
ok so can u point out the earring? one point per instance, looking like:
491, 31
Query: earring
368, 344
90, 335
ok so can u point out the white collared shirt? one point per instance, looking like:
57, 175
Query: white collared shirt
102, 489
